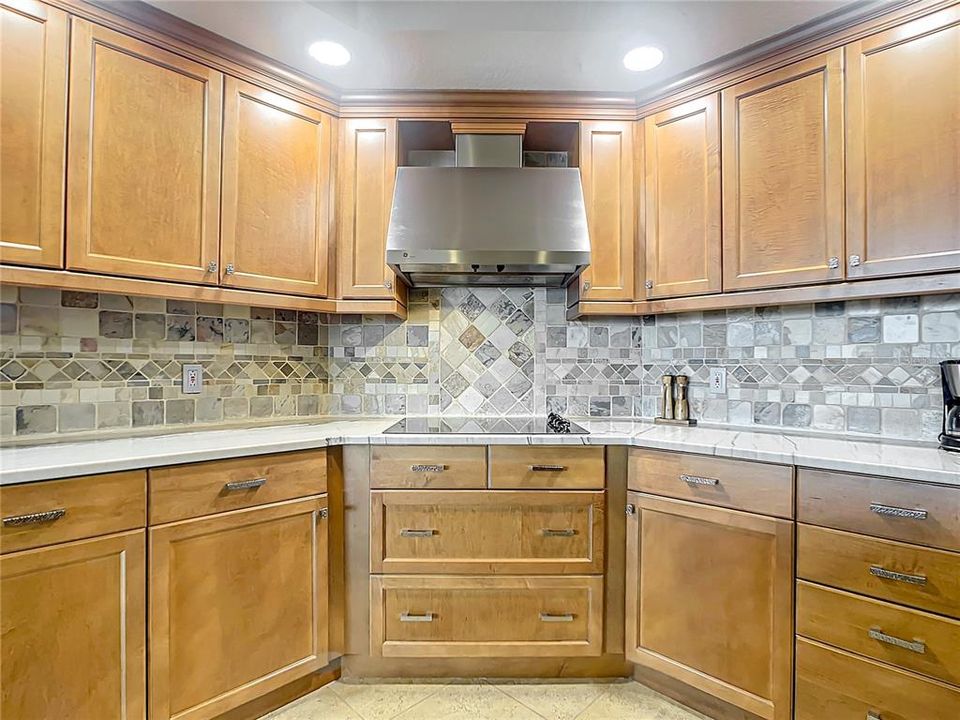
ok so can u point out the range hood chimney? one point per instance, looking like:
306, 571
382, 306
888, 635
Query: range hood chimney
488, 221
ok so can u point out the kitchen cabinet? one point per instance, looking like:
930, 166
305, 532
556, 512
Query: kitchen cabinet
276, 191
782, 171
682, 189
33, 117
143, 164
903, 148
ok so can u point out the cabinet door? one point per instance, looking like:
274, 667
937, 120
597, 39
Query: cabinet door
143, 165
682, 151
783, 176
238, 606
710, 600
903, 148
368, 169
276, 183
72, 623
606, 170
33, 118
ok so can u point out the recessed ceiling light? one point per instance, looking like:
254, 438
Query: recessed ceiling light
643, 58
329, 52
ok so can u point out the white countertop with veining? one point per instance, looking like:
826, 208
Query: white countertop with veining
66, 459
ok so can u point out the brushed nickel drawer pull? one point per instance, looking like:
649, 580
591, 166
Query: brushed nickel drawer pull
412, 617
407, 532
34, 518
898, 512
550, 617
917, 646
881, 572
245, 484
698, 480
566, 532
427, 468
548, 468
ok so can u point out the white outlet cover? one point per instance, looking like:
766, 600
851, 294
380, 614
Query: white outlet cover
192, 382
718, 380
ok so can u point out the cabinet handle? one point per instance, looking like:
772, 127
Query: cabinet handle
917, 646
211, 267
833, 263
34, 518
323, 513
407, 532
871, 715
428, 468
881, 572
245, 484
648, 284
698, 480
388, 284
631, 509
548, 468
550, 617
898, 512
854, 261
230, 270
586, 285
412, 617
566, 532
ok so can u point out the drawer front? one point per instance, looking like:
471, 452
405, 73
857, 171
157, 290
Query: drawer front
543, 466
43, 513
897, 509
428, 466
485, 616
835, 685
186, 491
910, 639
738, 484
908, 574
487, 531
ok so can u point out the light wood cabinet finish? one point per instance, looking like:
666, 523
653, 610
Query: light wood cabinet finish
556, 467
783, 176
368, 168
72, 623
738, 484
33, 117
834, 684
179, 492
475, 532
844, 620
903, 148
91, 505
143, 161
913, 512
276, 192
607, 175
486, 616
710, 600
683, 243
238, 607
428, 466
909, 574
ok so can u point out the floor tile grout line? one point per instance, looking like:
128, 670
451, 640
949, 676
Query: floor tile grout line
512, 698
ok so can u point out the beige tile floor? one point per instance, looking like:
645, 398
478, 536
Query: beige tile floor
484, 700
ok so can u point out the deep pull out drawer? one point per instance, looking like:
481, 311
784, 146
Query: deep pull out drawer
547, 466
487, 531
428, 466
437, 616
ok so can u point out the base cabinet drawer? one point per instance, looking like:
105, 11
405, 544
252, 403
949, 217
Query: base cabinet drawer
544, 466
836, 685
435, 616
447, 467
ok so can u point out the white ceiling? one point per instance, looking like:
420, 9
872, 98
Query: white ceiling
497, 44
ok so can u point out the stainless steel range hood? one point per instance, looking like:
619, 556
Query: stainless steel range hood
488, 225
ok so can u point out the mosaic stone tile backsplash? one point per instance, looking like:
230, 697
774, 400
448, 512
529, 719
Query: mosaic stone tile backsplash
79, 361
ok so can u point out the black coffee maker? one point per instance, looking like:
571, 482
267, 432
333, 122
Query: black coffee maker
950, 377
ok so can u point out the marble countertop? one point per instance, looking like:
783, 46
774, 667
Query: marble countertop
67, 459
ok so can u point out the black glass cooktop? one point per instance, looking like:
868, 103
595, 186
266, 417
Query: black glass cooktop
486, 426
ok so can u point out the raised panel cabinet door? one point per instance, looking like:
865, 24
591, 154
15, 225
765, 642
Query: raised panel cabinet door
606, 172
72, 622
782, 170
276, 184
683, 243
903, 148
143, 163
710, 600
238, 606
368, 169
33, 123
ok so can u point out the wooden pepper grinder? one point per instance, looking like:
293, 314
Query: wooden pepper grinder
681, 407
666, 397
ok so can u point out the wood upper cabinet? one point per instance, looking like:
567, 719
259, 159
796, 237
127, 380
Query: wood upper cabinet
238, 606
903, 148
683, 245
33, 116
276, 187
607, 175
72, 623
710, 600
783, 176
143, 164
368, 169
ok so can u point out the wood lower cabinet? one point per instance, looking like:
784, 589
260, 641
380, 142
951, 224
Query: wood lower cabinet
238, 606
710, 600
72, 623
33, 117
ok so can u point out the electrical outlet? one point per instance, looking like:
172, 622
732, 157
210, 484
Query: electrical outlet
718, 380
192, 379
